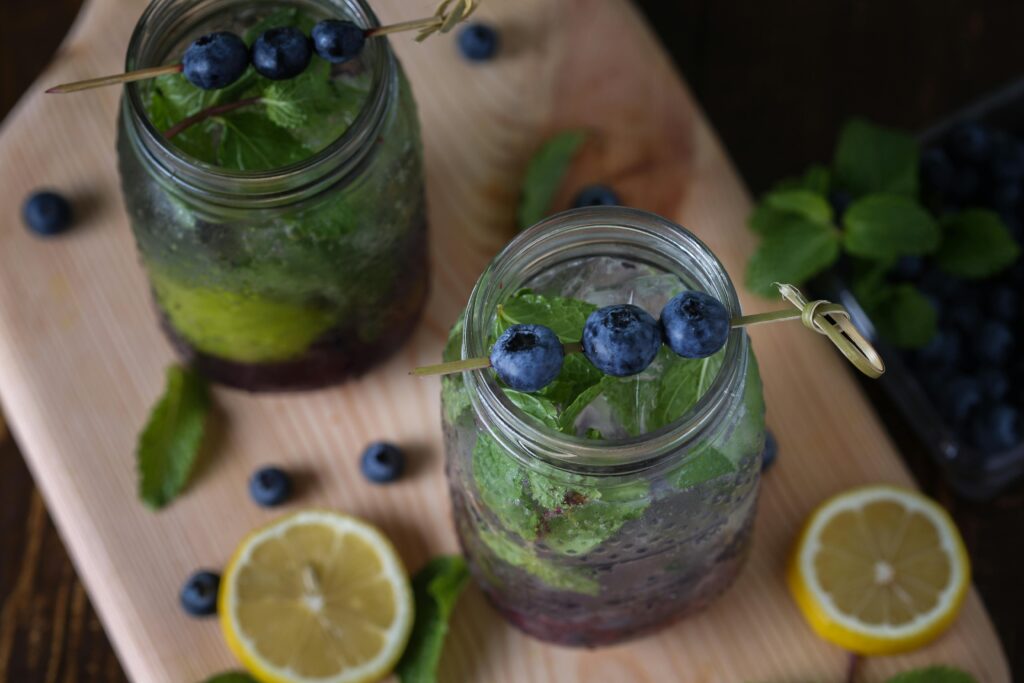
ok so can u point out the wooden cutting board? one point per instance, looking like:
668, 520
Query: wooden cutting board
81, 359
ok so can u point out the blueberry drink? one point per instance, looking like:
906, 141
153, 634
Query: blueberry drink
604, 468
275, 188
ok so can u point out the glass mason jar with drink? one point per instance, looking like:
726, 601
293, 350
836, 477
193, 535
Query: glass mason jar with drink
600, 507
281, 222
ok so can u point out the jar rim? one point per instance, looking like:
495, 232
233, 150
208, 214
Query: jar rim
227, 188
543, 246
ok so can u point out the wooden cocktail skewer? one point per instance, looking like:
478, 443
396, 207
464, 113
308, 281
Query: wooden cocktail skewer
823, 317
449, 13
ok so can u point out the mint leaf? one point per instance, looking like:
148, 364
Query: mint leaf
682, 384
435, 588
870, 158
573, 580
232, 677
287, 16
765, 220
703, 465
578, 529
794, 253
577, 376
544, 176
933, 674
502, 486
169, 443
632, 400
816, 178
901, 314
252, 142
976, 244
564, 316
884, 226
567, 420
806, 203
537, 407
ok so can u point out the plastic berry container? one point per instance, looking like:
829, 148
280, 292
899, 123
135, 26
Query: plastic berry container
973, 473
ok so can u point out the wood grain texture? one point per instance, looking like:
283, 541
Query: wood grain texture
77, 407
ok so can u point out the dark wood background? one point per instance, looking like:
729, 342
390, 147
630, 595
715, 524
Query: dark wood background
777, 80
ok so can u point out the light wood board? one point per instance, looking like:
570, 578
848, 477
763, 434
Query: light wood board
81, 358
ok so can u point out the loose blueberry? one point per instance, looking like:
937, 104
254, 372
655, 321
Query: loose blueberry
695, 324
937, 170
281, 53
840, 201
527, 357
479, 42
621, 340
216, 60
382, 463
270, 486
596, 195
962, 310
996, 427
338, 41
993, 343
47, 213
969, 142
959, 397
199, 594
771, 451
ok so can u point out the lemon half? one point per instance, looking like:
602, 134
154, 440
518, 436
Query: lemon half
879, 570
316, 597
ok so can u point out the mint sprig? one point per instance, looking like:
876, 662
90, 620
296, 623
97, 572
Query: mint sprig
878, 168
231, 677
933, 674
169, 444
435, 588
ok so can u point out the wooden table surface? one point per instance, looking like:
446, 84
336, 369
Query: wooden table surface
750, 68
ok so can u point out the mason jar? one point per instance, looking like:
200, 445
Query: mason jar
289, 277
602, 533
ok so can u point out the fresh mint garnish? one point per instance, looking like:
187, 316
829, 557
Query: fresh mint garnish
933, 674
571, 579
544, 176
871, 158
796, 250
877, 169
976, 244
169, 444
564, 316
435, 588
886, 226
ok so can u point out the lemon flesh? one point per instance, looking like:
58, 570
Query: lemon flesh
316, 597
879, 570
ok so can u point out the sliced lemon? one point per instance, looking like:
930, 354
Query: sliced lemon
879, 570
316, 597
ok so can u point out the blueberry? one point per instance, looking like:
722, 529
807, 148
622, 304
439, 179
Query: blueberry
939, 283
527, 357
596, 195
992, 343
621, 340
199, 594
695, 324
937, 170
908, 268
942, 351
281, 53
969, 142
47, 213
338, 41
994, 382
382, 463
1008, 162
479, 42
771, 451
840, 201
962, 310
959, 397
215, 60
1002, 303
996, 427
270, 486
